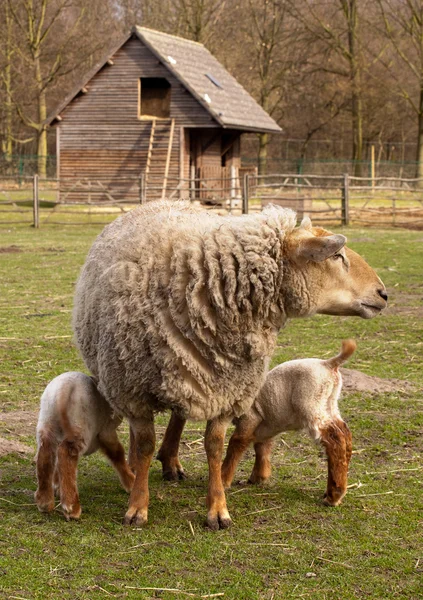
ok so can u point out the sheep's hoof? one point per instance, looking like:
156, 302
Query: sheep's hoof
135, 517
217, 522
174, 474
257, 480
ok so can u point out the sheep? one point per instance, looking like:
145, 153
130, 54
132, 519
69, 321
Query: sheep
74, 420
298, 394
179, 309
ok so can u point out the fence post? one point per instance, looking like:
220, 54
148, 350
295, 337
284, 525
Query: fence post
35, 202
345, 209
245, 195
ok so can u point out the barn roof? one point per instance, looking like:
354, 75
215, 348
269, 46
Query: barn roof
202, 75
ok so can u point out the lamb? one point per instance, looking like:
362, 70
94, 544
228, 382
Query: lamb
74, 420
179, 309
298, 394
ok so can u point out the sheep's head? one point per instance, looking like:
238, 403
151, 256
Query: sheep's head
322, 275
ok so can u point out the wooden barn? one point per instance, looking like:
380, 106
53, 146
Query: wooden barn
158, 115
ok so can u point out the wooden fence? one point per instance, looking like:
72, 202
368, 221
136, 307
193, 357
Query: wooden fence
332, 200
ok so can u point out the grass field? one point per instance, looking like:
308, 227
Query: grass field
284, 543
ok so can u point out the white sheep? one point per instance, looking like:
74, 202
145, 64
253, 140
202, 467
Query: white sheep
178, 308
298, 394
74, 420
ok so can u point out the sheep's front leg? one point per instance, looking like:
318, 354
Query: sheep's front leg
217, 515
168, 453
337, 441
144, 440
262, 466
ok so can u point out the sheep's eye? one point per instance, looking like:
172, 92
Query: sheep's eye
336, 256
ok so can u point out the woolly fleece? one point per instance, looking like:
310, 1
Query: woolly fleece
177, 308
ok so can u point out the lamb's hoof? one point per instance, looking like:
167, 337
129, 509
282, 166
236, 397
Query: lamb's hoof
332, 501
45, 505
72, 512
216, 522
136, 517
174, 474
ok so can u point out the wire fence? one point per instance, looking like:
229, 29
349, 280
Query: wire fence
327, 199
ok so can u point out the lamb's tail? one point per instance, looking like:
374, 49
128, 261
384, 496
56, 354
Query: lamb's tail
348, 349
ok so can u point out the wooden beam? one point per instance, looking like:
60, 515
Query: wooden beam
110, 62
169, 152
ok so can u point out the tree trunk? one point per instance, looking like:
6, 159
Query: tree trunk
419, 155
350, 8
262, 155
42, 116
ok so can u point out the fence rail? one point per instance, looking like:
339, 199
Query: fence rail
335, 200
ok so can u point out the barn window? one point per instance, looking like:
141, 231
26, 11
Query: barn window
154, 98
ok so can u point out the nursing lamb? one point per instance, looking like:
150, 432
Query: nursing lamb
179, 309
298, 394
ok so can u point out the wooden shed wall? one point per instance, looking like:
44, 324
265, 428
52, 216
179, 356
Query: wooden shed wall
101, 135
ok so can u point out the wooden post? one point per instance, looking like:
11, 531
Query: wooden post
192, 182
232, 191
345, 210
36, 204
373, 168
245, 196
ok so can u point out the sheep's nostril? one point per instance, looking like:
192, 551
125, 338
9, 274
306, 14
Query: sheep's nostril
383, 295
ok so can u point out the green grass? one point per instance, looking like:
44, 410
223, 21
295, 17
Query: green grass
370, 547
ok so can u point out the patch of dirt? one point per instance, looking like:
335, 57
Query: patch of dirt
19, 422
12, 447
355, 381
10, 249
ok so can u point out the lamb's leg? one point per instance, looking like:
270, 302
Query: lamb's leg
238, 444
168, 453
144, 442
262, 466
46, 460
337, 441
113, 449
67, 463
217, 516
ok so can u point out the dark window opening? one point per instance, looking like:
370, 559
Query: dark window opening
154, 97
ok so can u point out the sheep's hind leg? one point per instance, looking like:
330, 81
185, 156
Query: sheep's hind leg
168, 453
217, 516
144, 442
113, 449
67, 459
262, 466
337, 441
46, 460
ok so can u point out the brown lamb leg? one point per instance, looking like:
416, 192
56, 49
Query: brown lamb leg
168, 453
113, 449
262, 466
238, 444
144, 442
337, 441
67, 464
217, 515
46, 461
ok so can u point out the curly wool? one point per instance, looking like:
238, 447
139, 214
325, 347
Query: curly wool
177, 308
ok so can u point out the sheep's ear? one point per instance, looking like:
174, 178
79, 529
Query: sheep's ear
306, 224
318, 249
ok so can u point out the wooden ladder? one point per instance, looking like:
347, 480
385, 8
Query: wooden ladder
169, 152
150, 149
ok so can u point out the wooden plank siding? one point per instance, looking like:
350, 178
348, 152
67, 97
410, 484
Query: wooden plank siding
102, 137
